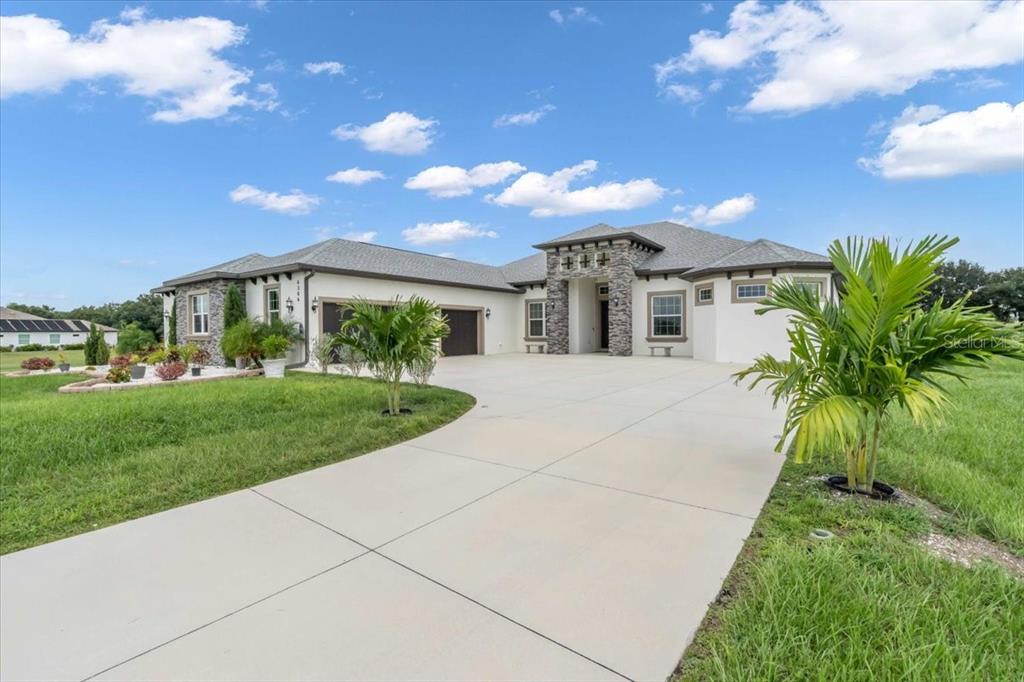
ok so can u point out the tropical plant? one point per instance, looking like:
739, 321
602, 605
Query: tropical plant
156, 357
275, 346
322, 351
119, 374
169, 371
392, 338
121, 361
188, 352
234, 307
240, 340
876, 347
201, 357
132, 338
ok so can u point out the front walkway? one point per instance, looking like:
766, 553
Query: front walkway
573, 526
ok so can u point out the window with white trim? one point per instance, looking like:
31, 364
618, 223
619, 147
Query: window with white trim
568, 262
54, 339
667, 315
272, 303
199, 306
602, 289
751, 291
706, 294
812, 285
23, 339
536, 322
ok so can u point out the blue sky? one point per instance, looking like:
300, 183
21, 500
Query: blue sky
158, 142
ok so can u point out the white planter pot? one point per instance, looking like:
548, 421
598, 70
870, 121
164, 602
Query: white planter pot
274, 369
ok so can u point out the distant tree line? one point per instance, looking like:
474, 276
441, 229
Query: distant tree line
146, 311
1002, 290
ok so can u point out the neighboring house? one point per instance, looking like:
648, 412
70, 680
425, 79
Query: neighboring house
20, 329
620, 290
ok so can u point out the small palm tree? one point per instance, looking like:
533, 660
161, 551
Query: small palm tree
394, 338
853, 359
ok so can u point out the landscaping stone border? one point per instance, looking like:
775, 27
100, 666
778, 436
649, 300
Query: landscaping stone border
96, 384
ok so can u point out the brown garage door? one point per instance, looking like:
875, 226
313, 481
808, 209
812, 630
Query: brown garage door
463, 340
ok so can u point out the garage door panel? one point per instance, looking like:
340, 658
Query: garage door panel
464, 337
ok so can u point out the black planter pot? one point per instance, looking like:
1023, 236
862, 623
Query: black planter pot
64, 366
138, 371
196, 371
880, 491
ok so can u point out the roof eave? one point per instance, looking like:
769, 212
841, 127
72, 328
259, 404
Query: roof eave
631, 236
696, 274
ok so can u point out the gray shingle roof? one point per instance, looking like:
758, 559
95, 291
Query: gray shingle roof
361, 259
682, 249
760, 253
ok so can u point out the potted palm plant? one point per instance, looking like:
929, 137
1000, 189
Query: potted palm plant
393, 339
854, 360
62, 362
240, 342
274, 348
199, 360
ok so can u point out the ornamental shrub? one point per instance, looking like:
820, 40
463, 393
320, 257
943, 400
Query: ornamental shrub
172, 325
121, 361
234, 307
132, 338
170, 371
102, 353
37, 363
92, 343
119, 375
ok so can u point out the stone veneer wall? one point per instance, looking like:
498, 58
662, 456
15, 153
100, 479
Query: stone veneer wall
557, 313
620, 271
217, 290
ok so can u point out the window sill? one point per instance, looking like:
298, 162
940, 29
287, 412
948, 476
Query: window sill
666, 339
535, 338
198, 336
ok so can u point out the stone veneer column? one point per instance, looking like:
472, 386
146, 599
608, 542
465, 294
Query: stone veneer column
217, 290
620, 298
557, 313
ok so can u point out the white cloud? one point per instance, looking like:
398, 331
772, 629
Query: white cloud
573, 14
549, 195
706, 8
444, 233
355, 176
443, 182
399, 133
813, 54
980, 82
683, 92
295, 203
728, 211
926, 142
330, 68
276, 66
172, 62
526, 118
367, 237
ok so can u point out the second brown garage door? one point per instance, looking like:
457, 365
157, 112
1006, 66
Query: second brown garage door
464, 339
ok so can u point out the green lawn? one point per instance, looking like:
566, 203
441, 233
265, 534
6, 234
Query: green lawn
872, 604
72, 463
11, 361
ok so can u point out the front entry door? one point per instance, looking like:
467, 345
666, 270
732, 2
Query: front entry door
604, 325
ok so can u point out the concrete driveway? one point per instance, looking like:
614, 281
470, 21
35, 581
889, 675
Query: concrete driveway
573, 526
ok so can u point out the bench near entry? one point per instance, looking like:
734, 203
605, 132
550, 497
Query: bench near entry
667, 350
538, 346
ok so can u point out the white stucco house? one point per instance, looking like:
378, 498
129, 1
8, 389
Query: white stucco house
659, 287
21, 329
